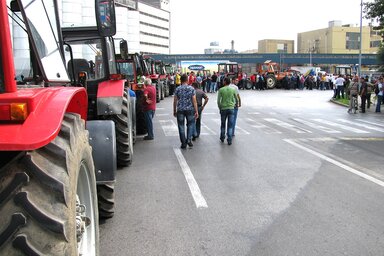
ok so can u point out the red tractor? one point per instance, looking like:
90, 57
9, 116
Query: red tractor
132, 68
57, 132
156, 72
272, 73
233, 69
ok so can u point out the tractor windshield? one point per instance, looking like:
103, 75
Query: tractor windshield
87, 57
126, 68
169, 69
40, 21
158, 68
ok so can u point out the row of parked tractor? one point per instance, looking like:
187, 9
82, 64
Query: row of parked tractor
68, 120
134, 67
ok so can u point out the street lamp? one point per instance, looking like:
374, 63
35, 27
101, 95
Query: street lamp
361, 37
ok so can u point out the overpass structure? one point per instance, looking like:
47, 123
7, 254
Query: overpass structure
287, 59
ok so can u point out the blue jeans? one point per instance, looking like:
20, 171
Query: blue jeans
379, 100
227, 114
181, 117
148, 115
213, 87
197, 129
235, 110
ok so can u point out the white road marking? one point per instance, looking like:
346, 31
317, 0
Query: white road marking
192, 184
337, 163
205, 127
369, 127
163, 114
169, 127
348, 128
368, 122
253, 113
316, 126
238, 129
263, 127
288, 126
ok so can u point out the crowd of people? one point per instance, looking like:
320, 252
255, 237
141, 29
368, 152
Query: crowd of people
190, 97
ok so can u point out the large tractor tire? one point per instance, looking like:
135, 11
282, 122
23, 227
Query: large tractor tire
158, 91
124, 136
162, 93
48, 200
167, 89
248, 84
271, 81
106, 200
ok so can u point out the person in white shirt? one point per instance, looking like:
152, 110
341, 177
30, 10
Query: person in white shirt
339, 84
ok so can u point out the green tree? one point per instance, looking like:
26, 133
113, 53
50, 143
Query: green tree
375, 11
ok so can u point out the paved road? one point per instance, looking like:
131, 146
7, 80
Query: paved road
302, 177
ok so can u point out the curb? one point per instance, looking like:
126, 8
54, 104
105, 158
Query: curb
338, 103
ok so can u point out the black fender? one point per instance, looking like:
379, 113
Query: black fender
102, 138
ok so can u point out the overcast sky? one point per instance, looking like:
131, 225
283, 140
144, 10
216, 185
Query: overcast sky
196, 23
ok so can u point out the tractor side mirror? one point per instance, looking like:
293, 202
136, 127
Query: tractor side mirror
124, 49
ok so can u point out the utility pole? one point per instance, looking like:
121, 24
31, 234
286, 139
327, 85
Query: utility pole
310, 53
361, 38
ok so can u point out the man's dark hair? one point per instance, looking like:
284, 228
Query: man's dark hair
183, 78
195, 85
227, 80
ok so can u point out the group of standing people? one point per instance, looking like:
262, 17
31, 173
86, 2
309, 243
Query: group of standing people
363, 88
190, 101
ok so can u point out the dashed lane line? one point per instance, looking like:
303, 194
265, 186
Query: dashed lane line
192, 184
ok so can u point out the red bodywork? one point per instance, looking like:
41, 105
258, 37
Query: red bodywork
46, 109
6, 50
46, 106
111, 88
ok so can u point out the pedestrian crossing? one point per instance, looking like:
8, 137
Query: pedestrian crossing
252, 124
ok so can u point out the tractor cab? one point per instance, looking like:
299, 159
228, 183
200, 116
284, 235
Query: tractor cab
229, 69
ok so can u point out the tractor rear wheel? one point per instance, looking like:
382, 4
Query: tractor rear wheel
248, 84
48, 199
124, 138
106, 200
162, 95
271, 81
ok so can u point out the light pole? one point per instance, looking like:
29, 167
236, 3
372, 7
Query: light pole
310, 53
361, 37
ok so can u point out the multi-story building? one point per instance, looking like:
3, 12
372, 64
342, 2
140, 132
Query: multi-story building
145, 24
338, 38
276, 46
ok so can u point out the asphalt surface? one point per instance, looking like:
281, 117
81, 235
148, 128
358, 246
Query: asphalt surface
302, 177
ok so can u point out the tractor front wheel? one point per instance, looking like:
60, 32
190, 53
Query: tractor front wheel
48, 200
271, 81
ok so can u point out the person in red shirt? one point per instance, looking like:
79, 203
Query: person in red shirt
149, 107
191, 78
253, 80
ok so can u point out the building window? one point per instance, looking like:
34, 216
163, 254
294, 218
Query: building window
153, 26
153, 16
352, 41
154, 35
375, 44
156, 45
282, 48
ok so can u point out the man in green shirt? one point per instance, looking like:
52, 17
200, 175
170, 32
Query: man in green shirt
226, 101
